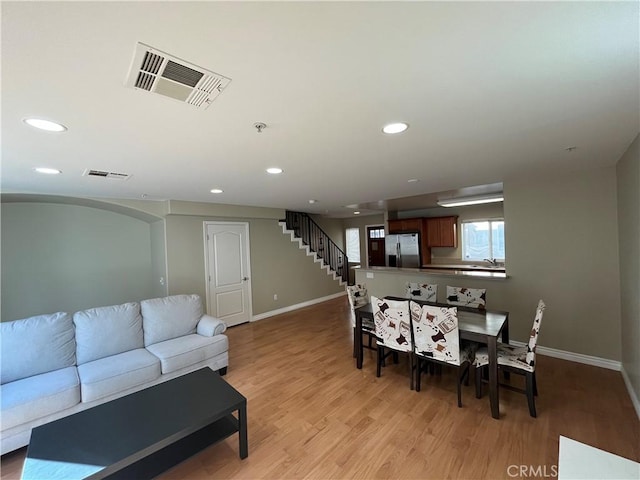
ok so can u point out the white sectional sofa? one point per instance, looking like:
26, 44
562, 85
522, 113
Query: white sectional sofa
58, 364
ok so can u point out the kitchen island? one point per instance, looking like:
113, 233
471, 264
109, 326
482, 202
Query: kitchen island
465, 267
384, 281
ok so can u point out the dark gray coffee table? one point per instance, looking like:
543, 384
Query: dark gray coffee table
142, 434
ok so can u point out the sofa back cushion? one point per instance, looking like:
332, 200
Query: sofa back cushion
36, 345
105, 331
170, 317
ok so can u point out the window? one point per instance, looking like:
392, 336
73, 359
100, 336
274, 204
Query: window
483, 239
353, 244
376, 232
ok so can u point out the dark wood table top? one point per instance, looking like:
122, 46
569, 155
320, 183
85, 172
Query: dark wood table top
102, 439
472, 320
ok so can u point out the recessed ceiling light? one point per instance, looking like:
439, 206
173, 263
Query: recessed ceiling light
48, 171
413, 180
356, 213
216, 190
395, 128
47, 125
313, 201
274, 170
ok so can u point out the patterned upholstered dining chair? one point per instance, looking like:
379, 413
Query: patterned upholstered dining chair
393, 328
467, 297
421, 291
437, 340
358, 297
520, 360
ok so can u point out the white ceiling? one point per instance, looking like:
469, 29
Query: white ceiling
492, 91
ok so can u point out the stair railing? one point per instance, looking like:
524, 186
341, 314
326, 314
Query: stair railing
319, 242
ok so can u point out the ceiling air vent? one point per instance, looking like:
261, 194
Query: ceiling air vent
158, 72
105, 174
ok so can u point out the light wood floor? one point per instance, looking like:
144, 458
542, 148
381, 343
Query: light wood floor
312, 414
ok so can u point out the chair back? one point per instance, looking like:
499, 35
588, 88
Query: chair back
357, 297
467, 297
422, 291
533, 336
392, 323
435, 332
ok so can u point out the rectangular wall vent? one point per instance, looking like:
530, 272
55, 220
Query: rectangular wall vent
158, 72
105, 174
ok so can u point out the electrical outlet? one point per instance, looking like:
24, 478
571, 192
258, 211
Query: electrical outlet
369, 275
275, 296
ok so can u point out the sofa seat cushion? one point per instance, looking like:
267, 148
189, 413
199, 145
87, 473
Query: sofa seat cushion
36, 345
188, 350
170, 317
116, 373
39, 396
105, 331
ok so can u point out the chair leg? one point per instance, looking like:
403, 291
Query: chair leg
478, 375
459, 382
530, 395
535, 384
380, 360
418, 373
410, 370
354, 342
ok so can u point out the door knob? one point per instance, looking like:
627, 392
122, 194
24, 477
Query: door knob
244, 279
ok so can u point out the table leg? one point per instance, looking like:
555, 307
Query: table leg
493, 377
357, 339
505, 332
505, 339
242, 431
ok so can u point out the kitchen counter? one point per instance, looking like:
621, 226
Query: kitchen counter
462, 266
391, 281
494, 273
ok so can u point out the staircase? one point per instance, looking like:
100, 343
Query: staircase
316, 242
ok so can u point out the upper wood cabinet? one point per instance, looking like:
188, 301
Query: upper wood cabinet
406, 225
442, 231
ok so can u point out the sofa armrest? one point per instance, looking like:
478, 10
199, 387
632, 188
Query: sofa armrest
209, 326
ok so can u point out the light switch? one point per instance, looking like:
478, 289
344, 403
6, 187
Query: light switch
369, 274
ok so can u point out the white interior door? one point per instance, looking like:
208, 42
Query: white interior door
227, 271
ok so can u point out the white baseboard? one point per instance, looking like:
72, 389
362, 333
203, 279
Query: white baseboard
590, 360
290, 308
574, 357
632, 393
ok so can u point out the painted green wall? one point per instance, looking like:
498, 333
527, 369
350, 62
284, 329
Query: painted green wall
562, 243
628, 177
561, 237
65, 253
62, 257
158, 259
278, 266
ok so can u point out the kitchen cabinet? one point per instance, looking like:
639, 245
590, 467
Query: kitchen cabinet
442, 231
406, 225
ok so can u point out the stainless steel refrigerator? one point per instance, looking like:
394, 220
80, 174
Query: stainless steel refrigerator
403, 250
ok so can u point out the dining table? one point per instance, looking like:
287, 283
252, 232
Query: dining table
482, 326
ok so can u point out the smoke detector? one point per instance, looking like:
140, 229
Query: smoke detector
158, 72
